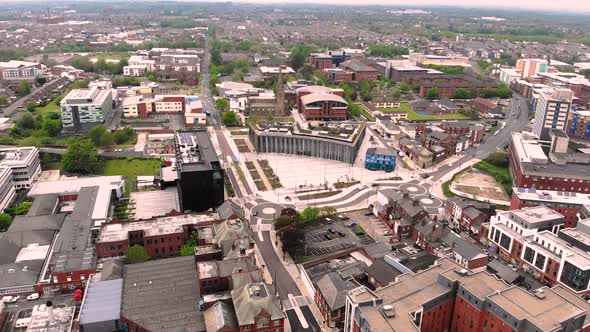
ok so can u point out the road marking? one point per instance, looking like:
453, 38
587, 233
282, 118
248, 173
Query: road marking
298, 311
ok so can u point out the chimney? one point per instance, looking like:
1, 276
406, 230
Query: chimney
50, 313
405, 195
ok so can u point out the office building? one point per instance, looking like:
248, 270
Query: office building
200, 176
336, 142
552, 111
24, 163
321, 103
7, 190
554, 167
20, 70
82, 109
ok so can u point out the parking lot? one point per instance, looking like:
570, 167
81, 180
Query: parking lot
334, 236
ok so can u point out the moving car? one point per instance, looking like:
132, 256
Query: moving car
425, 175
33, 296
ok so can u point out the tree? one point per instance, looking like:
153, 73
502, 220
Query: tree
40, 80
387, 51
299, 55
292, 238
5, 221
124, 135
355, 110
151, 76
216, 56
52, 126
106, 140
432, 93
405, 87
23, 208
187, 250
95, 134
462, 93
31, 106
309, 214
396, 94
81, 157
283, 221
80, 84
222, 104
230, 119
26, 121
136, 254
3, 100
24, 88
504, 92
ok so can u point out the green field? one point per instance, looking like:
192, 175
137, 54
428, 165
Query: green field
501, 174
414, 116
49, 108
131, 168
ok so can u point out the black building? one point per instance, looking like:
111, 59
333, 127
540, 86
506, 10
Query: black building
200, 176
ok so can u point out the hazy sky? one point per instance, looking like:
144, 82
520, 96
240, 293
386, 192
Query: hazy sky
564, 5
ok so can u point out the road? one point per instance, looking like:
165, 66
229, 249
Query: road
37, 93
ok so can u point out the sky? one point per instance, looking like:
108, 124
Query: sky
561, 5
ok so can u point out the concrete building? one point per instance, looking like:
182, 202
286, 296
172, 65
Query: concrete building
200, 175
560, 169
137, 107
82, 109
194, 115
447, 297
552, 111
20, 70
7, 190
336, 142
24, 163
139, 65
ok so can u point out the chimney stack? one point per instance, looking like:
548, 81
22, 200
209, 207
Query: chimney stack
50, 313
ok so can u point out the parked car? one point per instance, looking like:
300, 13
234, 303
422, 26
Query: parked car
343, 217
340, 234
10, 299
387, 233
33, 296
359, 233
352, 224
425, 175
331, 230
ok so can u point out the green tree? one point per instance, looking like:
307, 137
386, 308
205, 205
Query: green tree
216, 56
24, 88
405, 87
31, 106
283, 221
462, 93
106, 140
80, 84
299, 55
382, 50
355, 110
40, 80
124, 135
187, 250
3, 100
396, 94
222, 104
309, 214
26, 121
23, 208
432, 93
52, 126
81, 157
151, 76
230, 119
95, 134
5, 221
136, 254
504, 92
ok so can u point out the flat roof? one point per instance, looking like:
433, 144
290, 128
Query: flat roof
163, 295
102, 301
536, 214
152, 227
64, 319
551, 196
545, 311
157, 203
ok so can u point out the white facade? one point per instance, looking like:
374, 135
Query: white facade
7, 190
24, 163
552, 110
19, 70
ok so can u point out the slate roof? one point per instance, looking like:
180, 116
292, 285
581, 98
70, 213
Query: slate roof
251, 299
334, 289
221, 315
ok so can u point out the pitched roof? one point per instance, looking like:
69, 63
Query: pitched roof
252, 299
334, 289
382, 272
220, 315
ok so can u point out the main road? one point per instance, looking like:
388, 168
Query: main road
283, 281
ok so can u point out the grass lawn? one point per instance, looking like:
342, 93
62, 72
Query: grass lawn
447, 190
501, 174
414, 116
49, 108
131, 168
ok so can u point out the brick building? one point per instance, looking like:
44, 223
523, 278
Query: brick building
446, 297
219, 276
258, 309
321, 103
568, 204
561, 169
467, 215
360, 70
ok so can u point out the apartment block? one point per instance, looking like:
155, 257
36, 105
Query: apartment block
20, 70
82, 109
7, 190
552, 111
24, 163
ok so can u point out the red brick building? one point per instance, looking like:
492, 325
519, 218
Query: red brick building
258, 309
467, 214
322, 103
446, 297
321, 61
360, 70
338, 75
217, 276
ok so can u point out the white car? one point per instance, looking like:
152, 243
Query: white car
33, 296
10, 299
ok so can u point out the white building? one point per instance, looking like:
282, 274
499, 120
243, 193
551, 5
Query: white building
138, 65
24, 163
19, 70
7, 190
552, 111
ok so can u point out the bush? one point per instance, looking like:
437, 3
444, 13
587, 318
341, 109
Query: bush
136, 254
